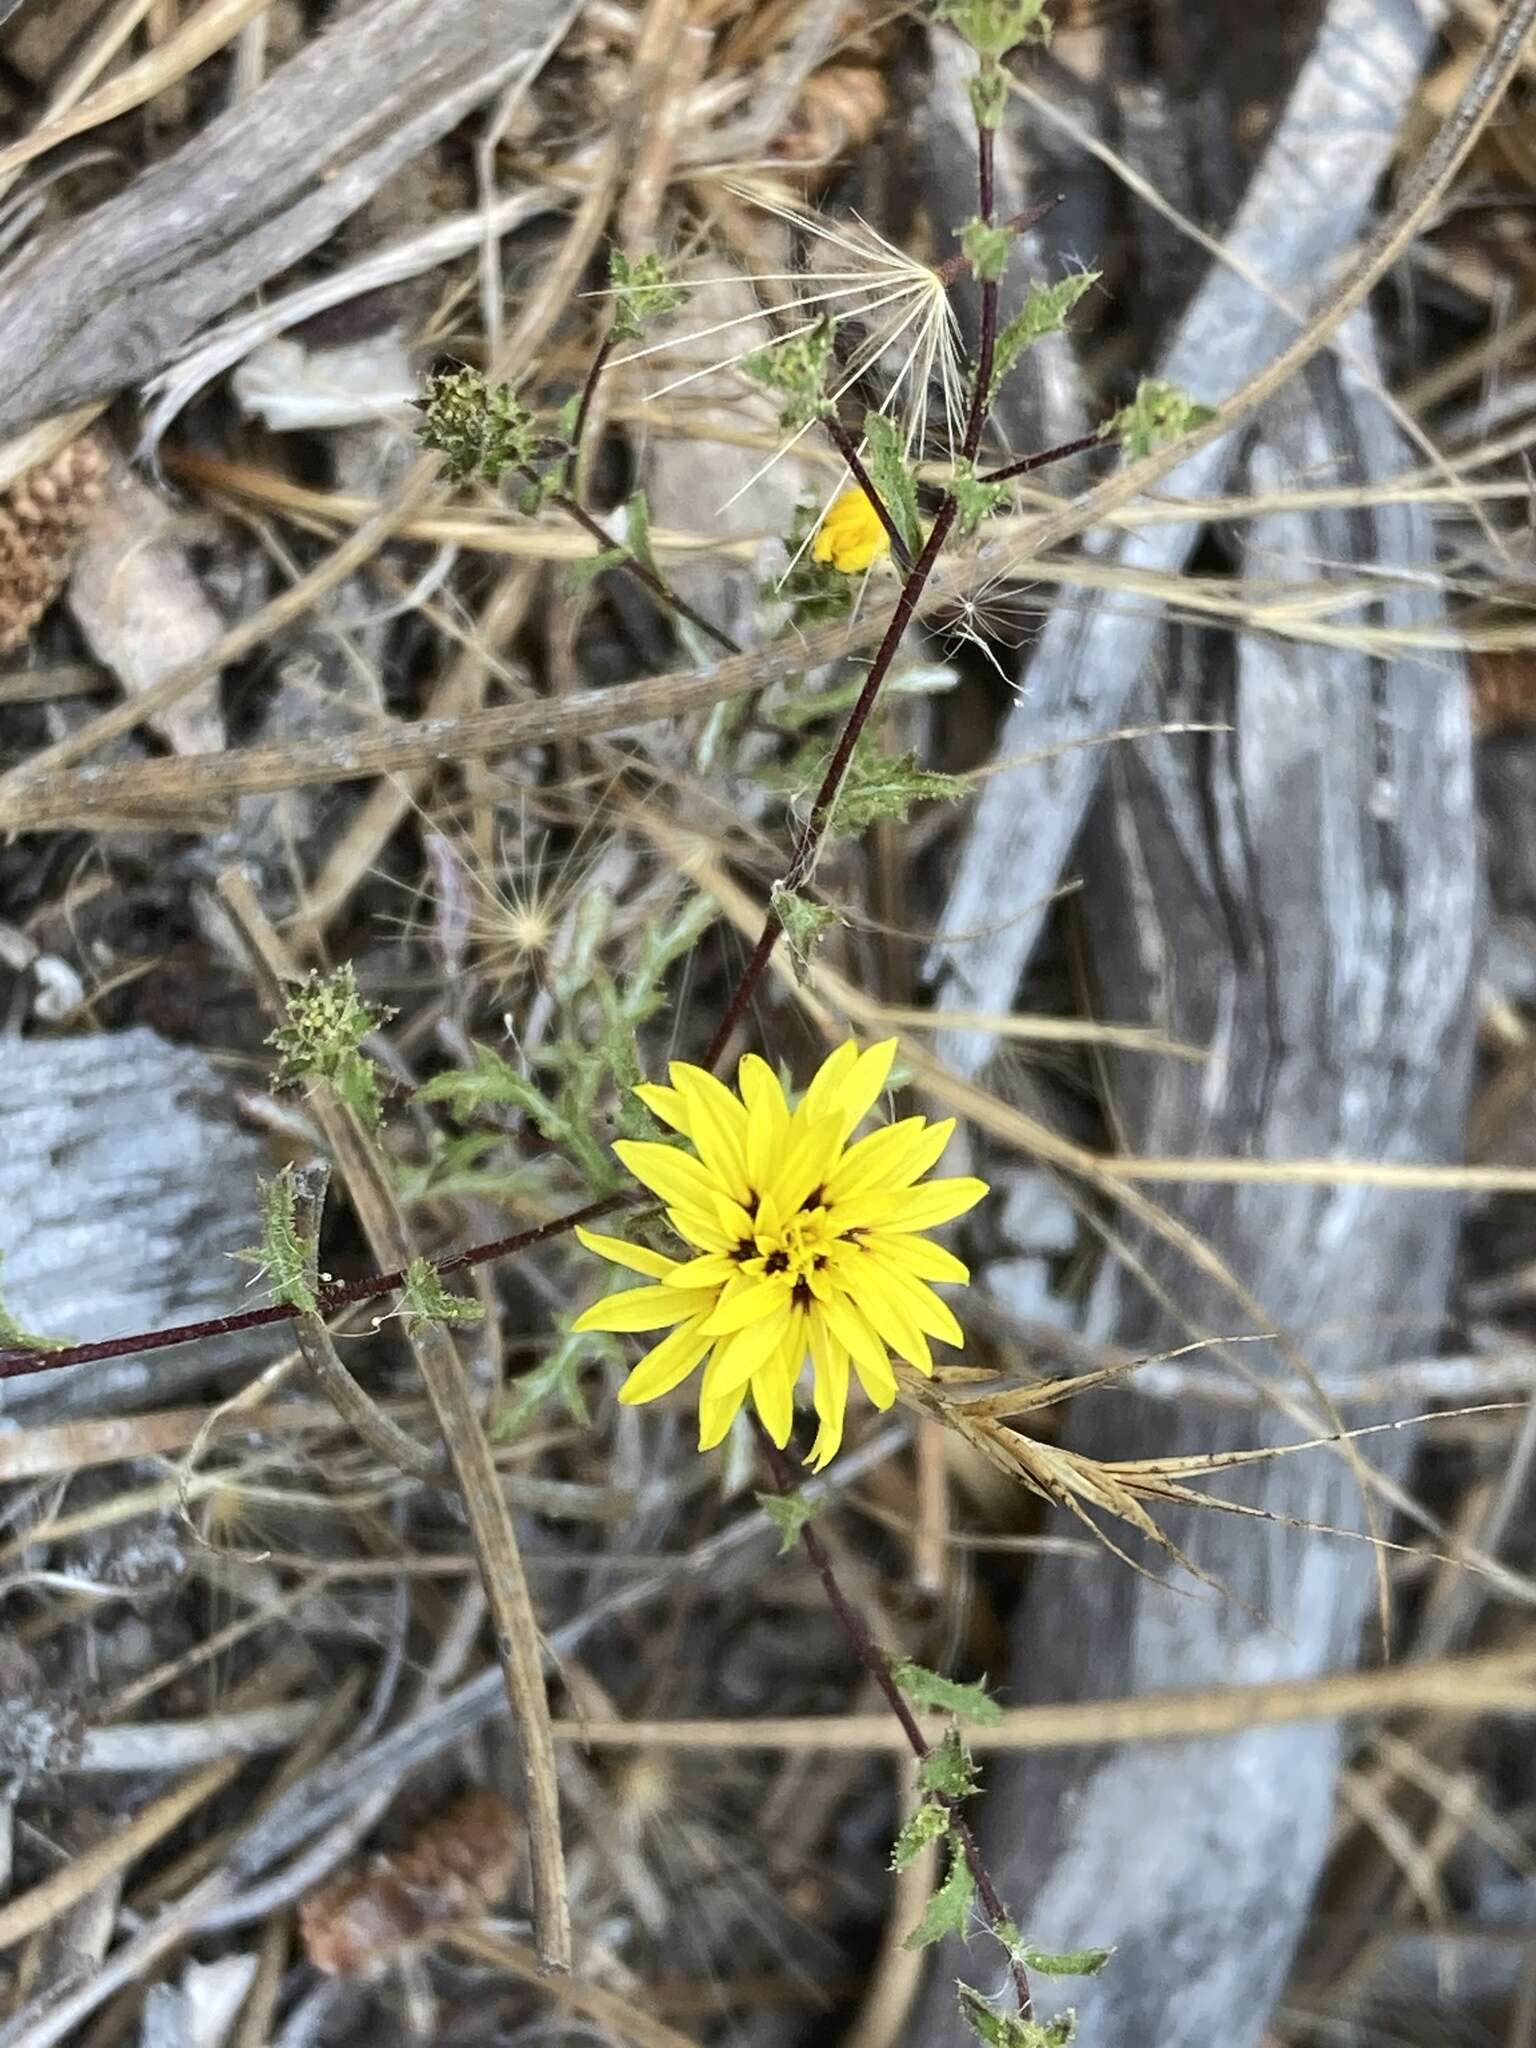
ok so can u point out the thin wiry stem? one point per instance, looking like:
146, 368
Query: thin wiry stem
856, 1627
808, 847
659, 588
1046, 456
13, 1364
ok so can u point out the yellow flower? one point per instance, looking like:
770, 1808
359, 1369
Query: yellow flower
851, 536
808, 1246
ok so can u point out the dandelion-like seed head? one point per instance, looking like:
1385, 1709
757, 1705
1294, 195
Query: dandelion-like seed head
889, 312
807, 1245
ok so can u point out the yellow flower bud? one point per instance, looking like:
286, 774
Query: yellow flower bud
851, 536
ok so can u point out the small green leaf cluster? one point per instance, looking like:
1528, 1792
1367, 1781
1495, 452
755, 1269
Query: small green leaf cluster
425, 1299
480, 429
892, 476
14, 1337
993, 28
556, 1378
946, 1776
985, 245
803, 921
285, 1256
321, 1036
1159, 413
1008, 2029
876, 787
974, 496
641, 291
927, 1688
789, 1513
795, 371
1045, 310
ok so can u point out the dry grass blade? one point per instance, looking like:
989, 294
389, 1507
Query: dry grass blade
28, 1911
210, 29
1455, 1687
485, 1504
617, 2016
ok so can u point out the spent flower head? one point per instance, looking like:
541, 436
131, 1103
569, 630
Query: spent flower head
807, 1245
851, 537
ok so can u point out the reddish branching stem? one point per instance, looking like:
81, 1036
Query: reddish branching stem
808, 847
801, 868
589, 390
878, 1665
661, 590
1046, 456
13, 1364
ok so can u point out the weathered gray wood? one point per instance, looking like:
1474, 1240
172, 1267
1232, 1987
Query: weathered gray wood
125, 1184
107, 300
1305, 205
1300, 894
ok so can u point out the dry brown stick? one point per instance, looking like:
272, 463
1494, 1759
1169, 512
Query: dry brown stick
215, 24
353, 1403
614, 2014
517, 1637
27, 1911
1496, 1682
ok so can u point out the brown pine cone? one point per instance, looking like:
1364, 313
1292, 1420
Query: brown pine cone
43, 517
456, 1868
1503, 691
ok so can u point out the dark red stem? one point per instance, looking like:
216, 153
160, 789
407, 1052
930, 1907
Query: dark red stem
802, 864
878, 1665
14, 1363
983, 391
584, 404
662, 591
1045, 457
848, 448
808, 847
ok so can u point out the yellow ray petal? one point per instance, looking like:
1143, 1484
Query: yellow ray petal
672, 1174
746, 1351
918, 1256
773, 1395
920, 1302
666, 1365
879, 1300
750, 1304
802, 1170
643, 1308
717, 1124
856, 1085
717, 1412
639, 1258
829, 1362
919, 1208
887, 1158
666, 1104
710, 1269
850, 1329
824, 1095
767, 1117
